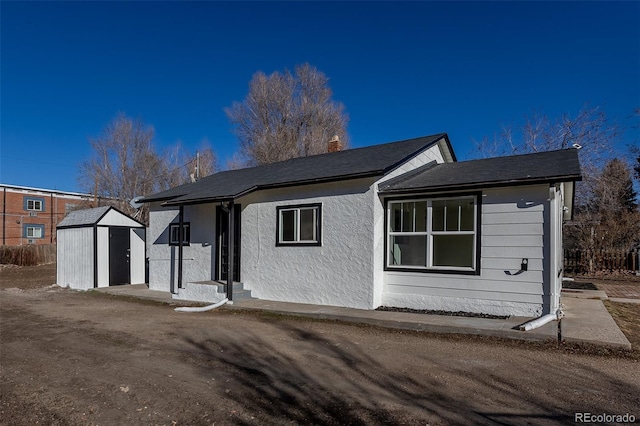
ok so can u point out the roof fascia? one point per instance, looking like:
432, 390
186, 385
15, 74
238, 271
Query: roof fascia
273, 186
446, 149
322, 180
124, 214
104, 214
408, 175
165, 198
482, 185
178, 203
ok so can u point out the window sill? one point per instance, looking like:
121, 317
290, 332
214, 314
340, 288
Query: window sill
432, 270
300, 244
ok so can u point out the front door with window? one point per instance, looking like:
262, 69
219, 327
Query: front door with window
222, 243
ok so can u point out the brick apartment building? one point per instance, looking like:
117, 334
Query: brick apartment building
30, 215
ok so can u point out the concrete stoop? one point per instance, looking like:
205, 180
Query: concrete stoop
211, 292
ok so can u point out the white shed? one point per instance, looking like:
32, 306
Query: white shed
100, 247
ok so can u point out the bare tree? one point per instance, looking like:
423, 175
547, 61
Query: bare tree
125, 164
611, 220
590, 130
287, 115
184, 166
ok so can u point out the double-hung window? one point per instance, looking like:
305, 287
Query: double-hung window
174, 237
299, 225
33, 231
34, 204
433, 233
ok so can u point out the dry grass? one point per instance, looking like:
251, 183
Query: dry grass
627, 316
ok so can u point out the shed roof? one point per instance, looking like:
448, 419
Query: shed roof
551, 166
84, 217
373, 160
98, 216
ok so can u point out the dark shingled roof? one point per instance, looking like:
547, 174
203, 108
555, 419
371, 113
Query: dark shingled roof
84, 217
373, 160
551, 166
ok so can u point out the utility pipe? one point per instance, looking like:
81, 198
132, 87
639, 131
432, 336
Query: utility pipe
202, 308
539, 322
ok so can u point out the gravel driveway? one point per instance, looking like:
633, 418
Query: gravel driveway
81, 359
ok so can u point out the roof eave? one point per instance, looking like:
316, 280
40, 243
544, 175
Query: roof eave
247, 191
480, 185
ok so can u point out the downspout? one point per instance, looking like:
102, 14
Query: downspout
231, 227
180, 239
554, 276
52, 213
539, 322
95, 255
4, 216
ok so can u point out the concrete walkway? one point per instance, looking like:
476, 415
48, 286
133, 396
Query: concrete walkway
586, 319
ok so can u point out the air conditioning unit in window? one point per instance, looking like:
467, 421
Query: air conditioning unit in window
33, 214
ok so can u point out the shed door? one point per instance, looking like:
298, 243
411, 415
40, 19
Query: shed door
119, 249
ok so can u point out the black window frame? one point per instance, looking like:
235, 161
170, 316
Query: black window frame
187, 234
318, 225
430, 269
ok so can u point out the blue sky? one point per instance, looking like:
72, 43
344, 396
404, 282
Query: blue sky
402, 70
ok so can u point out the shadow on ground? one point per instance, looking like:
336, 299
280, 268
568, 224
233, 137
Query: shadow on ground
354, 388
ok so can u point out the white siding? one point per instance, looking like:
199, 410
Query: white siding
338, 273
103, 256
114, 218
75, 258
433, 153
137, 253
512, 228
198, 257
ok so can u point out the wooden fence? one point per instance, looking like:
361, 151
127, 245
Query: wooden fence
28, 255
578, 262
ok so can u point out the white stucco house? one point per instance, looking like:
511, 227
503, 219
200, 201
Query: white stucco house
401, 224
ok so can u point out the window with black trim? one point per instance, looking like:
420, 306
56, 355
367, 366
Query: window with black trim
299, 225
433, 233
174, 229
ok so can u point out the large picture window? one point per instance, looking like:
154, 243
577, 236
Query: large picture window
433, 233
299, 225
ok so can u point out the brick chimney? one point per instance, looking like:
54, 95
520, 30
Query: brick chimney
334, 144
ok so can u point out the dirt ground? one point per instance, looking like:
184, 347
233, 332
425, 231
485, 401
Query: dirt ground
72, 358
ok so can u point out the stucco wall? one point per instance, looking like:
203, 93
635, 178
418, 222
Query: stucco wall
512, 228
197, 257
338, 273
